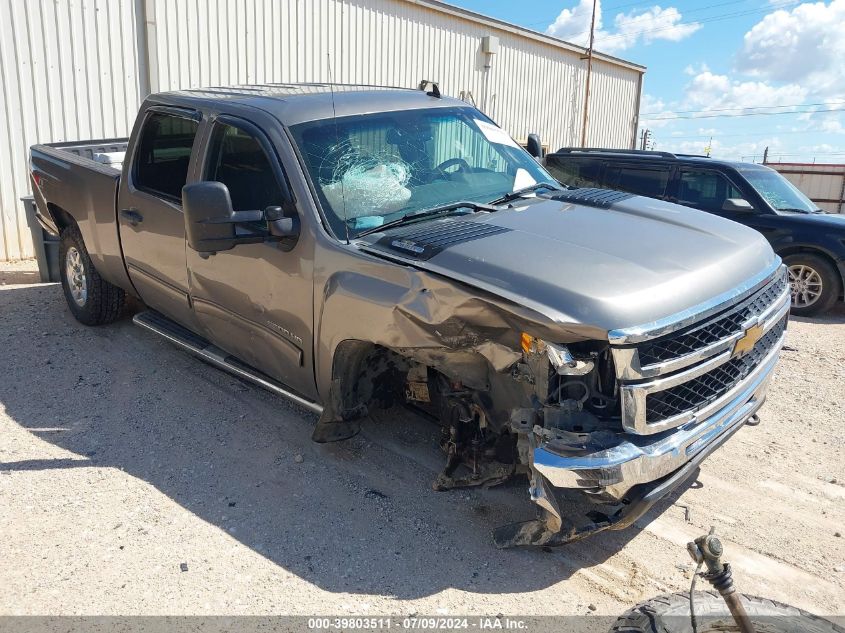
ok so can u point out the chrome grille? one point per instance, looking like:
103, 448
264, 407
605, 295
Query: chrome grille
672, 377
723, 326
708, 387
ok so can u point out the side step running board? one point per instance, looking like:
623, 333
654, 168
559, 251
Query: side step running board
187, 340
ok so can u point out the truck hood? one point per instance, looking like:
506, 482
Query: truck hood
637, 261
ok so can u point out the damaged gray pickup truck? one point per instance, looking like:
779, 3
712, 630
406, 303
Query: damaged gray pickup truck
355, 248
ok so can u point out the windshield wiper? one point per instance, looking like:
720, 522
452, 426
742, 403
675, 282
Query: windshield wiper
513, 195
425, 213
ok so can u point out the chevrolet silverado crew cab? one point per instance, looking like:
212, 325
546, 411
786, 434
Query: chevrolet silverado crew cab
355, 248
811, 242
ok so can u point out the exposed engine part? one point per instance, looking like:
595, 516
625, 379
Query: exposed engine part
416, 387
484, 457
565, 364
570, 416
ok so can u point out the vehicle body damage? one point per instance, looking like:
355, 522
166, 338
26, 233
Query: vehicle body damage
592, 341
522, 386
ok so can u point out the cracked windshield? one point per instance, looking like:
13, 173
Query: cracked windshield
778, 191
371, 169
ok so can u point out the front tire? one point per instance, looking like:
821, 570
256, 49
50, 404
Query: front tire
671, 614
814, 282
91, 299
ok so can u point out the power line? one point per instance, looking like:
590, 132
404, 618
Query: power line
712, 18
742, 134
643, 5
769, 107
744, 114
715, 18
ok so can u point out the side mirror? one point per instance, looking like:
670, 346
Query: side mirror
208, 216
280, 226
284, 229
739, 205
535, 148
211, 223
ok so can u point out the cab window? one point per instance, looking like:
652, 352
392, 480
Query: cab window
639, 180
575, 172
238, 160
164, 154
705, 190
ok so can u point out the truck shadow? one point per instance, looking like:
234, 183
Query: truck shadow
834, 315
358, 516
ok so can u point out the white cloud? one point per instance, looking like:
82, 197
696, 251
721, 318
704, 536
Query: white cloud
650, 25
709, 91
655, 112
645, 26
802, 45
692, 69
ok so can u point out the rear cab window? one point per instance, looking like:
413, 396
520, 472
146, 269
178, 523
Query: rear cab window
575, 171
643, 180
164, 154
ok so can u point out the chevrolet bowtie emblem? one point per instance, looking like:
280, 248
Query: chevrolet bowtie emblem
748, 340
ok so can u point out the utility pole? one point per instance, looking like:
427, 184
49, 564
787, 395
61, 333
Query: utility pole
589, 73
766, 155
645, 139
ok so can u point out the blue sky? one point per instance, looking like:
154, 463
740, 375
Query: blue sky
707, 59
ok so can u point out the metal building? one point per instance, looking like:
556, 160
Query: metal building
822, 183
78, 69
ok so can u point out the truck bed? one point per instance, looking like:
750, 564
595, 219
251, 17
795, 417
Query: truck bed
108, 152
81, 179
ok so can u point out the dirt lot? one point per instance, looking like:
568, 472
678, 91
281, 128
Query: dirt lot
122, 457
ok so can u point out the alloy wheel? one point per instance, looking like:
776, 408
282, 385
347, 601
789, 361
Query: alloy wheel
805, 284
75, 273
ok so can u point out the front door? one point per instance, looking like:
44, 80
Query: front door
152, 226
255, 301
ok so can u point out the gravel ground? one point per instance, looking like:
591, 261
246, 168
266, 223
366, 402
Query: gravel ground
122, 457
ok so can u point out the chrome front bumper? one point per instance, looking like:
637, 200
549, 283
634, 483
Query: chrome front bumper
615, 462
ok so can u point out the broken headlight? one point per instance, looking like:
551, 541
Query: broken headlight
576, 384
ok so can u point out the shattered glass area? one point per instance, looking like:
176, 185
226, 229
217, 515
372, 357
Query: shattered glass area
369, 169
365, 185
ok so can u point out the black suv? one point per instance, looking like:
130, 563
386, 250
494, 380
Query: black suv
811, 243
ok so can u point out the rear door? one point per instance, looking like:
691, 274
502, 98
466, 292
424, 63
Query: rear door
255, 300
152, 226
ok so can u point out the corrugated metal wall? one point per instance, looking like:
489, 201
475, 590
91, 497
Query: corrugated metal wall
71, 69
67, 72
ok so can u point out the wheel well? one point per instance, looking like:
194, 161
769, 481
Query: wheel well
62, 218
364, 372
806, 250
795, 250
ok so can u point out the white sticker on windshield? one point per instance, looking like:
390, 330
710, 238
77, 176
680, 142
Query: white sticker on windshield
495, 134
522, 179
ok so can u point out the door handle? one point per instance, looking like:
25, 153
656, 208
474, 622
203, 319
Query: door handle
132, 216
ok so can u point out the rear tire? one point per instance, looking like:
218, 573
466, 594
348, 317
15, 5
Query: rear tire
91, 299
815, 283
671, 614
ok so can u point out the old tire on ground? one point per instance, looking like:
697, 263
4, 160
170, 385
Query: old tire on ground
91, 299
815, 283
671, 614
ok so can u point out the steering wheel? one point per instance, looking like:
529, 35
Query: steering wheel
446, 164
